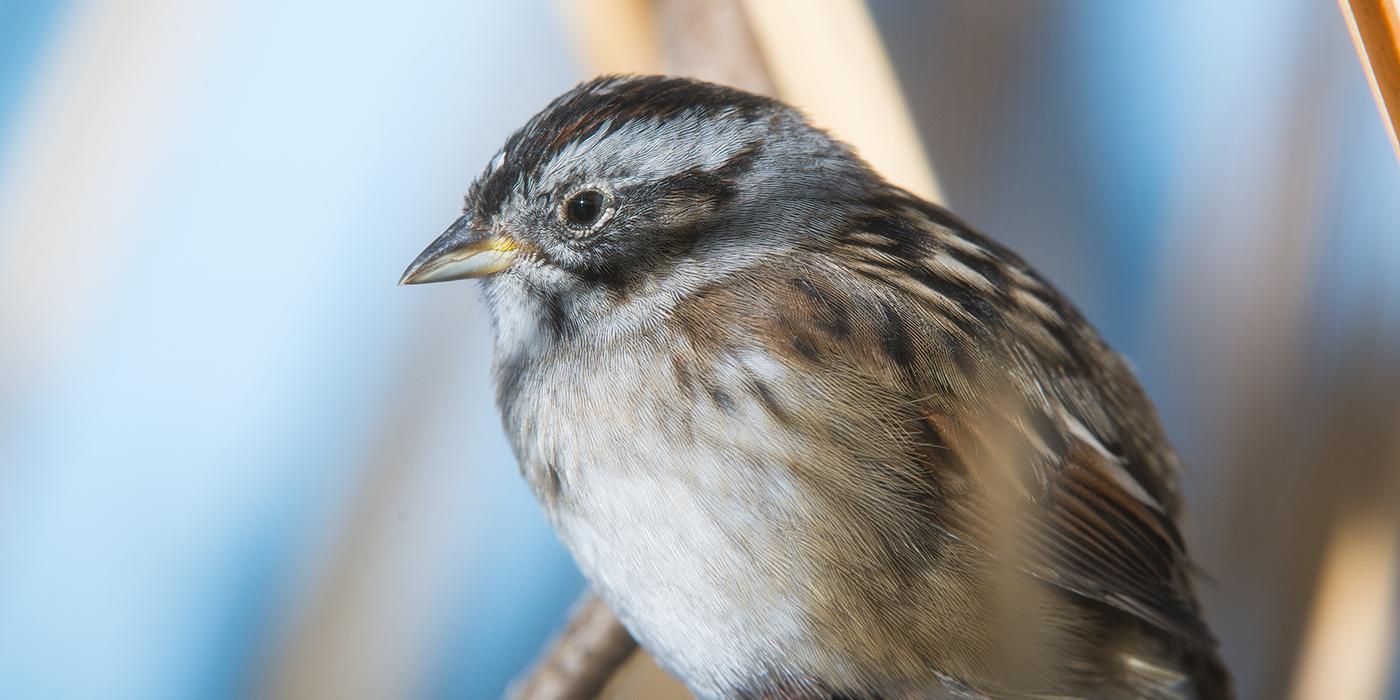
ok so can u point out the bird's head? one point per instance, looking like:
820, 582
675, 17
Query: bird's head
629, 187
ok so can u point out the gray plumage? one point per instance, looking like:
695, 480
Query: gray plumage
808, 435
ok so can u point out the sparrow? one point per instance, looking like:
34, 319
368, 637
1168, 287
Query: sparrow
807, 434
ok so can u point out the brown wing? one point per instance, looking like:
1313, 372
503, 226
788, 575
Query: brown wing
1091, 461
1094, 534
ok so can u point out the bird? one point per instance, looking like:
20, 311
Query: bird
808, 435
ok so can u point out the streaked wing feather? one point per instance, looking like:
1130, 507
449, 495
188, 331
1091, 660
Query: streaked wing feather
1105, 528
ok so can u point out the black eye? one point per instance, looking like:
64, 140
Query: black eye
584, 208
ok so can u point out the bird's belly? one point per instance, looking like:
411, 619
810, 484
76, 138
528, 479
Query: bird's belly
714, 595
735, 546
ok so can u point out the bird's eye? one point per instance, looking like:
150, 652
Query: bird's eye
584, 208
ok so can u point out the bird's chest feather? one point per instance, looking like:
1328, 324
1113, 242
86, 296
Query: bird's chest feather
674, 490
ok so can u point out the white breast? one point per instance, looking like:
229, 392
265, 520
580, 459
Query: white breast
667, 512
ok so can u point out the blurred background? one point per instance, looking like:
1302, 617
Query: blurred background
236, 460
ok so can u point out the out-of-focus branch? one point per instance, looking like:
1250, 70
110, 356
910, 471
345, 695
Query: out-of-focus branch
1375, 29
1348, 645
583, 658
827, 58
613, 36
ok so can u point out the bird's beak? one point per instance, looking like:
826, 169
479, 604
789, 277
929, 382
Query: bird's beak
461, 252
